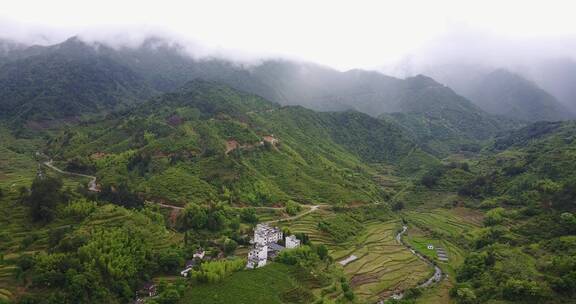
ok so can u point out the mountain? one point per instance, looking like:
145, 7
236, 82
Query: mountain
442, 121
208, 141
95, 78
557, 76
508, 94
65, 81
502, 92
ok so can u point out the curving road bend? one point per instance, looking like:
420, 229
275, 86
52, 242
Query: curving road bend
92, 186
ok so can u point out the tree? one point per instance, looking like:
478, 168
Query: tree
121, 195
248, 215
169, 260
322, 251
463, 295
229, 246
292, 208
494, 216
397, 206
45, 194
194, 216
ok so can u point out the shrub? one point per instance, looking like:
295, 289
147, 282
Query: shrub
79, 209
494, 217
213, 272
292, 208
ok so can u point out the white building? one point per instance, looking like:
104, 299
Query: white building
264, 234
257, 257
199, 254
292, 242
185, 272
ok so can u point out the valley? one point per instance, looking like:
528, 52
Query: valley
149, 187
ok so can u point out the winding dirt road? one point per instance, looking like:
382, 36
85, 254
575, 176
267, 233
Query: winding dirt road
312, 209
92, 186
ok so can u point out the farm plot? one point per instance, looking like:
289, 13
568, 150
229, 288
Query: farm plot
382, 266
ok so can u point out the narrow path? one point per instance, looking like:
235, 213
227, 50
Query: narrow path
165, 205
312, 209
435, 278
92, 186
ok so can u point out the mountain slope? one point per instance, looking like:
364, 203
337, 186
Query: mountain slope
502, 92
209, 142
508, 94
66, 81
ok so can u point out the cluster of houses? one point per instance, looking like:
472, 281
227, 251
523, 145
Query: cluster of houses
266, 245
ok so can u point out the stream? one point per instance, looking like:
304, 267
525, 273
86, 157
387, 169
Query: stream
435, 278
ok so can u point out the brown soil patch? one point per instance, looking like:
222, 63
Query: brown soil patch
366, 278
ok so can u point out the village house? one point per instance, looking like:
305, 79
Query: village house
148, 289
258, 256
199, 254
188, 267
196, 257
292, 242
264, 234
266, 245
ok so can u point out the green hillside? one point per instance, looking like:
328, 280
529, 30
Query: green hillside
207, 142
65, 82
524, 184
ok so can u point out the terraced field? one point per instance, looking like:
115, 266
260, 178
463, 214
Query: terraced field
382, 266
451, 222
15, 169
15, 231
444, 228
18, 236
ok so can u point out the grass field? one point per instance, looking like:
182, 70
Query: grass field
273, 284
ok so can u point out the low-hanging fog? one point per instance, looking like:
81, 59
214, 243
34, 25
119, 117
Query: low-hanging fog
457, 43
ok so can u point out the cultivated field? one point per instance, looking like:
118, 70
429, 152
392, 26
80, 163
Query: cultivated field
382, 266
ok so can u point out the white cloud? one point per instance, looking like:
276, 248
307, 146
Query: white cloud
343, 34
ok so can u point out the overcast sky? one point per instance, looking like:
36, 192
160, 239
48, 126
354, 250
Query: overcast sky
342, 34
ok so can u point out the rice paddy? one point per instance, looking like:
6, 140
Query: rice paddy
382, 266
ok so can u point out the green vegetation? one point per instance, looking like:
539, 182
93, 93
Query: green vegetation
175, 148
199, 166
273, 284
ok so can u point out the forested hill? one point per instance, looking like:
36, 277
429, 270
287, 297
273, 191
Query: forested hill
442, 121
511, 95
38, 83
525, 184
65, 82
208, 141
